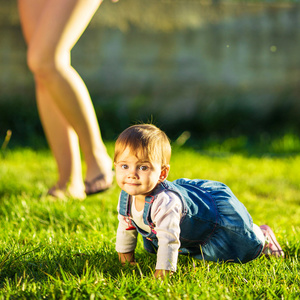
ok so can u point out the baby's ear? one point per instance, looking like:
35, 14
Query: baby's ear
164, 173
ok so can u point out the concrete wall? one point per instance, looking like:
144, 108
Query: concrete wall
183, 61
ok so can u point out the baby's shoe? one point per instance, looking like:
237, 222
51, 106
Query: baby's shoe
272, 247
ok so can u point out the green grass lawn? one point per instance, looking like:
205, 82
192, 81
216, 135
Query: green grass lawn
65, 250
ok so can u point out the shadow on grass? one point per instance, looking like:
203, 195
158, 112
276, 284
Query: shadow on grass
69, 267
56, 264
64, 266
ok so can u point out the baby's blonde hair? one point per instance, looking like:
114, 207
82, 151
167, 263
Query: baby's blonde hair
145, 140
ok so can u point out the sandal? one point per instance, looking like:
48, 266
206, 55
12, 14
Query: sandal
90, 184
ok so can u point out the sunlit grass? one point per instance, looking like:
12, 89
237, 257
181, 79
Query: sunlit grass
65, 250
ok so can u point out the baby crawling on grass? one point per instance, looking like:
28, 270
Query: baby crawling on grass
200, 218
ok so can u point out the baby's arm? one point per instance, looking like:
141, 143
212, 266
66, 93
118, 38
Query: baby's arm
126, 241
166, 214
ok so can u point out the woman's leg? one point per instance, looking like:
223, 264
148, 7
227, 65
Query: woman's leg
51, 33
67, 155
61, 137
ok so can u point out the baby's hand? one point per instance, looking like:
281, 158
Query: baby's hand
127, 258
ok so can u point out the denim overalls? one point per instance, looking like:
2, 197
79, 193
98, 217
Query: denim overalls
215, 226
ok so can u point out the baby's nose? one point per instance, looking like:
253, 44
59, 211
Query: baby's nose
132, 173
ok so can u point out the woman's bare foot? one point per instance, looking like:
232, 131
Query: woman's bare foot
66, 193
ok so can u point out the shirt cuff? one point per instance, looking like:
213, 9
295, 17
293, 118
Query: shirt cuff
167, 258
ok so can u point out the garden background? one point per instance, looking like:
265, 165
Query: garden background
210, 67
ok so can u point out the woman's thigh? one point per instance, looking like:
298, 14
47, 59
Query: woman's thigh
54, 26
30, 12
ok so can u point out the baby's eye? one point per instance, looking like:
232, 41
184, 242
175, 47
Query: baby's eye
144, 168
125, 167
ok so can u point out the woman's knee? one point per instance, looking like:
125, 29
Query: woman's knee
41, 64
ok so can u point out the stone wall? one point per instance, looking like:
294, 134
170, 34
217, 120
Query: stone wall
198, 63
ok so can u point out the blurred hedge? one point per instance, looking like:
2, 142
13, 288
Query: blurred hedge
164, 60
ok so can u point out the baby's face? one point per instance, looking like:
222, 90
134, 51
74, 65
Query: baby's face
136, 175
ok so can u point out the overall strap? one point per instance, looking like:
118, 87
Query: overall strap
147, 212
165, 185
124, 208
